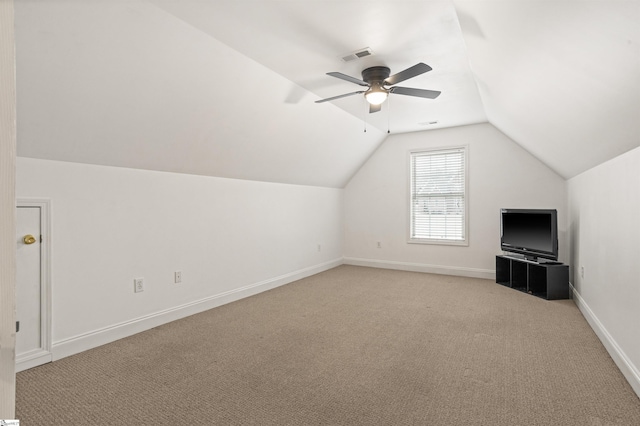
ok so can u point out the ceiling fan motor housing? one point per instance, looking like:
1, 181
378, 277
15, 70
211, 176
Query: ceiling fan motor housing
375, 74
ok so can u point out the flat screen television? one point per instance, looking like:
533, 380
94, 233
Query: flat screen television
531, 232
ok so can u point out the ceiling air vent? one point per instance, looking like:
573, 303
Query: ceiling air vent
360, 53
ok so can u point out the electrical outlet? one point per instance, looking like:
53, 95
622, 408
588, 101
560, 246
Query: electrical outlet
319, 247
177, 277
138, 285
379, 244
582, 272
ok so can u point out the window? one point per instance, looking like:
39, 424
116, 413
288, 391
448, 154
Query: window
438, 205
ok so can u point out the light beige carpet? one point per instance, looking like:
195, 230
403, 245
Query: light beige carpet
350, 346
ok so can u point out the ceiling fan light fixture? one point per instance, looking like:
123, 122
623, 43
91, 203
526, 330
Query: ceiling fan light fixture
379, 85
376, 94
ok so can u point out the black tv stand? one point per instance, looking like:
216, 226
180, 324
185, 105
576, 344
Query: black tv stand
548, 280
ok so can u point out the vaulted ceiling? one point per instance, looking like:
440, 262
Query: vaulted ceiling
228, 87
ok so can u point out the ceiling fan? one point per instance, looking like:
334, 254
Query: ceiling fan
380, 85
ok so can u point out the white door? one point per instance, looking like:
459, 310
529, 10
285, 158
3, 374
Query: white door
32, 343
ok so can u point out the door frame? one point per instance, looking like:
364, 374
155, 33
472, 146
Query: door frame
45, 355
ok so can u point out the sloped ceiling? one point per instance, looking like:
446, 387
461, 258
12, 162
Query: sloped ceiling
227, 88
561, 78
127, 84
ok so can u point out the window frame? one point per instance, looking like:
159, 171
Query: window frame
438, 241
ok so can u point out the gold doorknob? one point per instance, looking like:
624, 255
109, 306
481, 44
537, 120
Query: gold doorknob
29, 239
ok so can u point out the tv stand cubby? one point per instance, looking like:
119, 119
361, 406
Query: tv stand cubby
546, 280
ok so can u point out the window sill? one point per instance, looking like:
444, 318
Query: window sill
438, 242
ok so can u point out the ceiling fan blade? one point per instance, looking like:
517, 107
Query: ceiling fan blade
410, 72
374, 108
347, 78
340, 96
421, 93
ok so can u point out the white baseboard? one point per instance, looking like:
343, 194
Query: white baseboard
423, 267
33, 359
628, 369
93, 339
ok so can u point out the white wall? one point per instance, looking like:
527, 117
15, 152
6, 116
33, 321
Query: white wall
7, 212
501, 175
604, 217
230, 238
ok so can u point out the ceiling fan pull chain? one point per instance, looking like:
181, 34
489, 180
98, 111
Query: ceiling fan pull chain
388, 114
364, 115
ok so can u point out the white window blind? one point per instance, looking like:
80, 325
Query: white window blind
438, 195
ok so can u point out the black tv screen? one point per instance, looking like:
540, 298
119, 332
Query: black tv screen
531, 232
